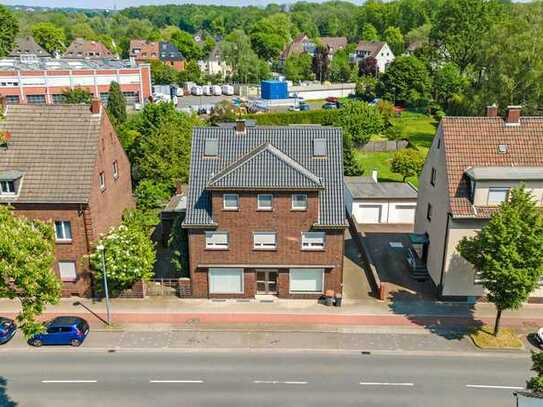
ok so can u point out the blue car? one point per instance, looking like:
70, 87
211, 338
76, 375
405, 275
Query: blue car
62, 331
7, 329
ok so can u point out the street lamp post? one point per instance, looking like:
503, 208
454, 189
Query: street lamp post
102, 249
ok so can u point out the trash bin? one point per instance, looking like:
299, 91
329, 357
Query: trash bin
329, 298
337, 301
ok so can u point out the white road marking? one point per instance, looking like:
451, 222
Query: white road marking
484, 386
277, 382
69, 381
385, 384
176, 381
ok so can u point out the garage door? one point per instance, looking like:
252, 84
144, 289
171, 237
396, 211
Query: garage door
403, 214
367, 213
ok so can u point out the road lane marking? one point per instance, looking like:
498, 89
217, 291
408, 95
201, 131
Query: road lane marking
485, 386
69, 381
277, 382
385, 384
176, 381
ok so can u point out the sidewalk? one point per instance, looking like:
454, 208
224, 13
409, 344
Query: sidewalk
176, 312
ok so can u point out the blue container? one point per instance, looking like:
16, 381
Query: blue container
273, 90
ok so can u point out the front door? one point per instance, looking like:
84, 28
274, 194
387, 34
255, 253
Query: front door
266, 281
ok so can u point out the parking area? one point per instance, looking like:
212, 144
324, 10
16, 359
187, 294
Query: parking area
388, 252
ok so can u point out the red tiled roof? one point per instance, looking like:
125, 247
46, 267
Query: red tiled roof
373, 47
295, 47
80, 48
474, 141
334, 42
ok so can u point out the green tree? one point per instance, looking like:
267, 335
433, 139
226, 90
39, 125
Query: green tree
270, 35
162, 74
350, 166
366, 88
246, 66
535, 384
407, 163
394, 38
179, 242
77, 96
321, 63
116, 103
27, 254
8, 30
186, 45
49, 37
191, 73
299, 67
151, 195
129, 257
407, 80
360, 121
448, 82
224, 111
341, 70
369, 33
507, 253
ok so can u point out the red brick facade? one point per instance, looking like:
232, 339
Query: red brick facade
88, 221
288, 225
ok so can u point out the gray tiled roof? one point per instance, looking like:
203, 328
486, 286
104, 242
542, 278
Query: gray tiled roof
54, 147
280, 172
294, 142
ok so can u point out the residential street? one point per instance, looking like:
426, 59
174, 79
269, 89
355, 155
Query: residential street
74, 378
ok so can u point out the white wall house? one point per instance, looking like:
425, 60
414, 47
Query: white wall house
371, 202
374, 49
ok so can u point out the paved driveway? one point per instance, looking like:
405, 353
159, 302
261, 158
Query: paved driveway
388, 252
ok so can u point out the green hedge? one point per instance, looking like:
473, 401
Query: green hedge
320, 116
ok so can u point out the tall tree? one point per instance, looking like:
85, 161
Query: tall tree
298, 67
186, 45
246, 66
350, 166
321, 63
507, 253
116, 103
50, 37
8, 30
369, 32
77, 96
406, 80
27, 250
394, 38
407, 163
360, 121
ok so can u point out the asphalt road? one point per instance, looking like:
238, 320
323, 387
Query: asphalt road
69, 377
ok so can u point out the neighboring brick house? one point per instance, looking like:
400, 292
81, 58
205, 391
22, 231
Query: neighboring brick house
85, 49
302, 43
379, 50
471, 166
142, 51
64, 164
265, 211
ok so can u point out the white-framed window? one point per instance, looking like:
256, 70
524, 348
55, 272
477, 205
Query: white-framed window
264, 240
67, 270
225, 280
63, 231
306, 280
7, 187
497, 195
115, 169
299, 202
102, 181
217, 240
313, 240
231, 202
264, 202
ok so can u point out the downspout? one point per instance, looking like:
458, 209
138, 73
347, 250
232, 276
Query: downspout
444, 257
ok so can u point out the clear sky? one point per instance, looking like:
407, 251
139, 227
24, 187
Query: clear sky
128, 3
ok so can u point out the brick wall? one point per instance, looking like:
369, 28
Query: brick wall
286, 223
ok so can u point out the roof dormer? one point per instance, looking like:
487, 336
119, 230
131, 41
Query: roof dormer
10, 184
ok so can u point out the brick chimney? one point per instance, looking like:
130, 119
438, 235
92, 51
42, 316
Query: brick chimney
241, 127
513, 115
95, 106
492, 111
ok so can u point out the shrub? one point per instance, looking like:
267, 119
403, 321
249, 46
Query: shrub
319, 116
151, 194
407, 162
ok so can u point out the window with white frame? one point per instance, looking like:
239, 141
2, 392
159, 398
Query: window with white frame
217, 240
102, 181
63, 231
231, 202
497, 195
7, 187
225, 280
299, 202
264, 240
313, 240
304, 280
264, 202
115, 169
67, 270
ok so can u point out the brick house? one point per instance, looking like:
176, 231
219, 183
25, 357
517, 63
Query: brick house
143, 51
472, 165
265, 212
64, 164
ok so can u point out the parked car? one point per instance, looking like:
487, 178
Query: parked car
7, 329
329, 106
539, 338
294, 108
304, 107
332, 99
62, 331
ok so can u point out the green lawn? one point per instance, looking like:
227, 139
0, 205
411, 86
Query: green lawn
419, 129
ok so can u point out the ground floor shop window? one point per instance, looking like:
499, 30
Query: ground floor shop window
226, 281
306, 280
